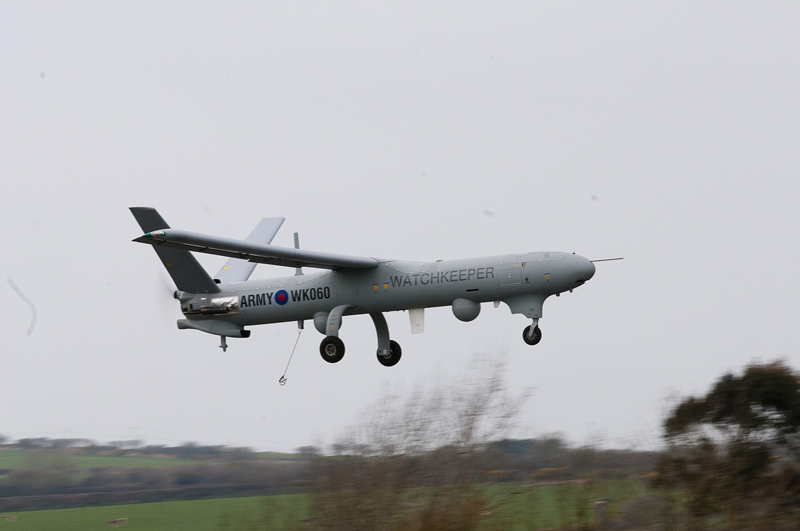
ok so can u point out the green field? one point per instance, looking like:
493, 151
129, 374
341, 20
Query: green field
521, 507
277, 455
514, 507
10, 459
198, 515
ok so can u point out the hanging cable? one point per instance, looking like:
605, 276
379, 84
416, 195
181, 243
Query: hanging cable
282, 379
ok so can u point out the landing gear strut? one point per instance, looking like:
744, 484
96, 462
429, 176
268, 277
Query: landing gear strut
532, 337
388, 350
332, 349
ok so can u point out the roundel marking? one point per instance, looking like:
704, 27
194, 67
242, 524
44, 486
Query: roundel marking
282, 297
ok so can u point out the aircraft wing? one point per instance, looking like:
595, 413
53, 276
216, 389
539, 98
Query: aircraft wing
236, 270
260, 253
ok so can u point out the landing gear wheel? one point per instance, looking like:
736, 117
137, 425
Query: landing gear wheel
394, 355
332, 349
537, 335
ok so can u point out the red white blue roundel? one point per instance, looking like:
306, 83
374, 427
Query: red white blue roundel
282, 297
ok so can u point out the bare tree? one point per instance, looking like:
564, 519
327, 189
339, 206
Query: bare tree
417, 462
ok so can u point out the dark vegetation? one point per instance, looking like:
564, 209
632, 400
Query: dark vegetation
733, 455
445, 460
41, 473
48, 475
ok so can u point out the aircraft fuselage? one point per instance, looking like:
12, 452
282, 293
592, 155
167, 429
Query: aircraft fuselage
225, 304
523, 281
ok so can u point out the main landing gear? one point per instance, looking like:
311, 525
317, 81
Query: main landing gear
332, 348
390, 358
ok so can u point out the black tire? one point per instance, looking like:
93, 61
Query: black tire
394, 355
537, 335
332, 349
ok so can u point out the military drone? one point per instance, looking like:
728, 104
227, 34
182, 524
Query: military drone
226, 303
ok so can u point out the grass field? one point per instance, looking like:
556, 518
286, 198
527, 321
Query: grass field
198, 515
521, 507
516, 507
276, 455
10, 459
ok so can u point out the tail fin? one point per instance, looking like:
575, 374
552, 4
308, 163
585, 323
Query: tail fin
185, 270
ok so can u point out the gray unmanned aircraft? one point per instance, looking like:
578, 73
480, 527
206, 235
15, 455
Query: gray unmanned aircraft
225, 304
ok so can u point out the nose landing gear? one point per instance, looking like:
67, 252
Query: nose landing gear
533, 336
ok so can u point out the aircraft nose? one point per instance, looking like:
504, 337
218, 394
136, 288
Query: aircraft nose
584, 269
587, 269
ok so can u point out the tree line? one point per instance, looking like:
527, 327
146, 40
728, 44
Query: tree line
731, 457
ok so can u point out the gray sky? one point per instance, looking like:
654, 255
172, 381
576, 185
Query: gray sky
668, 133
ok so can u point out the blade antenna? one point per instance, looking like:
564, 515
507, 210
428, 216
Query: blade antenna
298, 270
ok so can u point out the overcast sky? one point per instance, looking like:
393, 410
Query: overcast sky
667, 133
